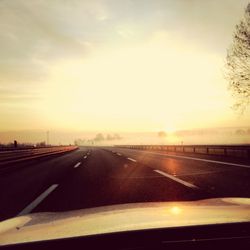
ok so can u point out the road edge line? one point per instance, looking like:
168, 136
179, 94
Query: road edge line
38, 200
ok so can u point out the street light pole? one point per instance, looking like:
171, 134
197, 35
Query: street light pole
47, 135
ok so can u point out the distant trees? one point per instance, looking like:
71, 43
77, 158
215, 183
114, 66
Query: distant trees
162, 134
98, 139
41, 144
238, 63
113, 137
79, 142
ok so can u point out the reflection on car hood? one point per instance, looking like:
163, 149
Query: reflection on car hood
126, 217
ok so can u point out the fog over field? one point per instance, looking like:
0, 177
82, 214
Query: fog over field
233, 135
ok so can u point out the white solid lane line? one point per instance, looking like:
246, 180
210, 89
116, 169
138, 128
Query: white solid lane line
77, 165
201, 159
187, 184
38, 200
131, 159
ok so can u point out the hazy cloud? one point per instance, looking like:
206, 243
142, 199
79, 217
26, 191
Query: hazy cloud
34, 33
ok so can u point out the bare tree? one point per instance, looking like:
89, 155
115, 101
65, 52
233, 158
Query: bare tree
238, 63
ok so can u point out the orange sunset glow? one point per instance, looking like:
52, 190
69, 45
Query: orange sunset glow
89, 67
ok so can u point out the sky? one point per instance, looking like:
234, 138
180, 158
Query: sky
116, 66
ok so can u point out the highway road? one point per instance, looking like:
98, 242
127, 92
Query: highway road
99, 176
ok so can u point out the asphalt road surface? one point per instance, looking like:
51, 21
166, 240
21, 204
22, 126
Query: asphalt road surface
90, 177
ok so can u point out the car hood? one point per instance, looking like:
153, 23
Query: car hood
126, 217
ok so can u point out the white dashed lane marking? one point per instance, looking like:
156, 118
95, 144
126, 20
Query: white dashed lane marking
131, 159
77, 165
187, 184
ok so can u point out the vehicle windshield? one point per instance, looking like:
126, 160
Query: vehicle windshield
120, 102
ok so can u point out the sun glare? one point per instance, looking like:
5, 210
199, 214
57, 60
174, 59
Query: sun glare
131, 86
175, 210
170, 129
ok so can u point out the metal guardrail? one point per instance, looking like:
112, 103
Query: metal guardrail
10, 160
241, 151
20, 155
4, 148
